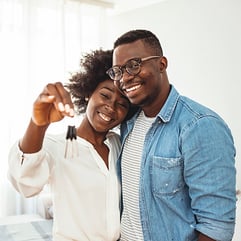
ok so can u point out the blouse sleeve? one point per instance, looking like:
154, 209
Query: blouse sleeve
28, 172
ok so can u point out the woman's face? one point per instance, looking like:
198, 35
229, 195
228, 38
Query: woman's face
107, 107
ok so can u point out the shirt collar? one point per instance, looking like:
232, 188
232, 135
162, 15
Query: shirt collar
169, 106
166, 111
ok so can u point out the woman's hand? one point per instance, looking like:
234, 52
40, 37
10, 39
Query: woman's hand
52, 105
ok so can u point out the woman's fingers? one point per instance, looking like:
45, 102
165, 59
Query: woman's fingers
56, 93
52, 105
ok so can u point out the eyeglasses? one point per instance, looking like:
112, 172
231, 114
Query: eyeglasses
132, 67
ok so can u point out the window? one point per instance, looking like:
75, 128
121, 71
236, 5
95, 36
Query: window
40, 42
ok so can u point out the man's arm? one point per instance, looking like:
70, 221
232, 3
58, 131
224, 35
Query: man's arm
203, 237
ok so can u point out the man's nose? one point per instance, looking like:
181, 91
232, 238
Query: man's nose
125, 77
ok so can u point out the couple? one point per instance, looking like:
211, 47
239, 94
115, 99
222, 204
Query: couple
175, 157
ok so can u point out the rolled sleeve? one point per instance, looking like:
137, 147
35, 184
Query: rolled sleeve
211, 177
216, 230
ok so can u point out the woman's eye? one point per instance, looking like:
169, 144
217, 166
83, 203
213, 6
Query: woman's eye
125, 105
105, 95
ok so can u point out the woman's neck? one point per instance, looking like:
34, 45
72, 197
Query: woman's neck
87, 132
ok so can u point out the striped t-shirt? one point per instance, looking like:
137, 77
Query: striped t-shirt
131, 229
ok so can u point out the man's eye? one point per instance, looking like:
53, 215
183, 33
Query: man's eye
133, 64
116, 71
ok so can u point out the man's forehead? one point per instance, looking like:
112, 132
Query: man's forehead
125, 52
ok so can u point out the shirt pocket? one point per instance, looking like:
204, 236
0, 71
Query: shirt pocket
166, 175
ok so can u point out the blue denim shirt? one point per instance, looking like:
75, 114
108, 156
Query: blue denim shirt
188, 175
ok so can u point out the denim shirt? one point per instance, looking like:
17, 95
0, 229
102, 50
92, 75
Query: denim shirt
188, 175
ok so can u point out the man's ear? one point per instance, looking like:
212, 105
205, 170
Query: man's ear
163, 63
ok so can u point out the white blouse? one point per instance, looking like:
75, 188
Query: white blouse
85, 192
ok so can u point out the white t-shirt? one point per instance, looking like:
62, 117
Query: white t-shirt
131, 229
85, 192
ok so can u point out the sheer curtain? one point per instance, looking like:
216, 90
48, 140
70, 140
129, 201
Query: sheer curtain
41, 41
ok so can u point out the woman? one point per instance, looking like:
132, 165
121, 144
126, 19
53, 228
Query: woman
84, 186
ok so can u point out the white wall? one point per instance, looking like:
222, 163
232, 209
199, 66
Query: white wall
202, 41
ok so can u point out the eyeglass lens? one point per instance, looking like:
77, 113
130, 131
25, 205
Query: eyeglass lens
132, 67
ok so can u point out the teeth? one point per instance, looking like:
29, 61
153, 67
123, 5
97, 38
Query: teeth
133, 88
104, 117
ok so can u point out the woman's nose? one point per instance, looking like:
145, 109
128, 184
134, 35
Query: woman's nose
110, 106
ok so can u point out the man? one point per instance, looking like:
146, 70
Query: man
178, 159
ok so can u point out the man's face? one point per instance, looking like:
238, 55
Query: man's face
143, 88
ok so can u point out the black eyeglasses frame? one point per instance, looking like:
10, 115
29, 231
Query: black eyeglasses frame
120, 69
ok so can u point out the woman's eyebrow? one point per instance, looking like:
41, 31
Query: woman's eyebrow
108, 88
112, 90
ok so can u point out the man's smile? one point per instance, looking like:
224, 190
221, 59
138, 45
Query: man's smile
129, 89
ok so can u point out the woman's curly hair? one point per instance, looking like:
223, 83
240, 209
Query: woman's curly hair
93, 71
